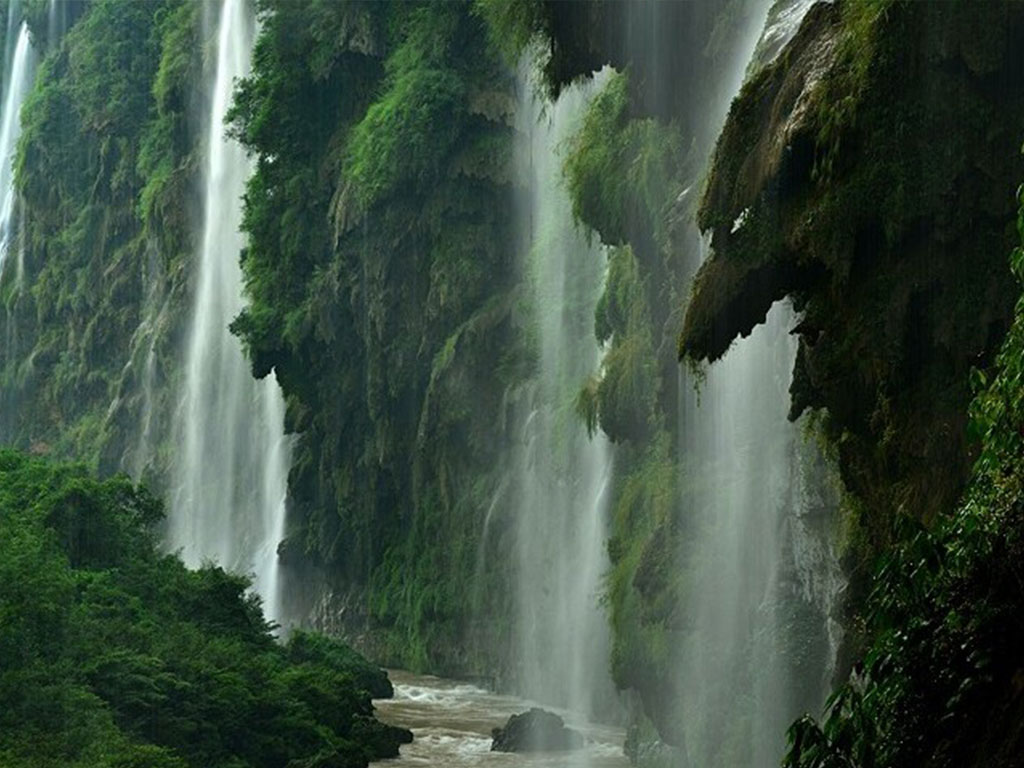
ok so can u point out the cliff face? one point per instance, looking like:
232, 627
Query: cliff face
866, 173
869, 175
381, 274
940, 681
105, 174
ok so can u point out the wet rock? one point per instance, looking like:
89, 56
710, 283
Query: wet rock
646, 751
535, 731
381, 740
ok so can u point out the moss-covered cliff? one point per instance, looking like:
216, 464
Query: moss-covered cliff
940, 682
381, 273
867, 173
105, 169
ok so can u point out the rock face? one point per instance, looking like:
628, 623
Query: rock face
535, 731
869, 173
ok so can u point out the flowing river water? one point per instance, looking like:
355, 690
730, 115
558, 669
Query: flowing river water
452, 721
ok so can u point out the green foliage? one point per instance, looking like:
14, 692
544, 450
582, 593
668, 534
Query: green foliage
381, 287
621, 170
623, 175
839, 102
587, 405
513, 25
112, 654
164, 160
402, 143
937, 685
643, 586
629, 384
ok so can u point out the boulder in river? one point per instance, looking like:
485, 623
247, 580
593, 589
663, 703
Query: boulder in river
535, 731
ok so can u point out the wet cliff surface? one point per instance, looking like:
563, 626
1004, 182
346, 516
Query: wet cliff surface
869, 174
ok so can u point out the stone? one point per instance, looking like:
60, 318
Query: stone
535, 731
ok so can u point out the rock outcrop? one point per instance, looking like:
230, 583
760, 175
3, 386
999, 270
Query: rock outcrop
869, 173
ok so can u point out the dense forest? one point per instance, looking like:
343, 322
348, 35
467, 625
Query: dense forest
654, 361
116, 654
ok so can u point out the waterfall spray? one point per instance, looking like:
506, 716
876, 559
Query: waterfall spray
231, 475
744, 670
563, 473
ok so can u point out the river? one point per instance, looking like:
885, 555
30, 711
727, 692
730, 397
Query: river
452, 723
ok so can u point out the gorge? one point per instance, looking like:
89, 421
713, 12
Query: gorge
653, 362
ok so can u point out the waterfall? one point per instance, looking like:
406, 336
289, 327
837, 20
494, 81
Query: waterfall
56, 21
231, 476
14, 22
759, 557
17, 81
154, 318
757, 652
782, 24
564, 474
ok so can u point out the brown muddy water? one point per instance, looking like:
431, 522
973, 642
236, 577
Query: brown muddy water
452, 722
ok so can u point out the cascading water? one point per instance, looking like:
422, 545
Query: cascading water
757, 651
783, 21
761, 572
154, 318
11, 38
231, 474
17, 82
563, 473
56, 21
19, 69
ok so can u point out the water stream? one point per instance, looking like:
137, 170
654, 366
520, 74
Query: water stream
56, 21
759, 557
782, 24
17, 82
231, 477
757, 649
563, 473
451, 724
18, 74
